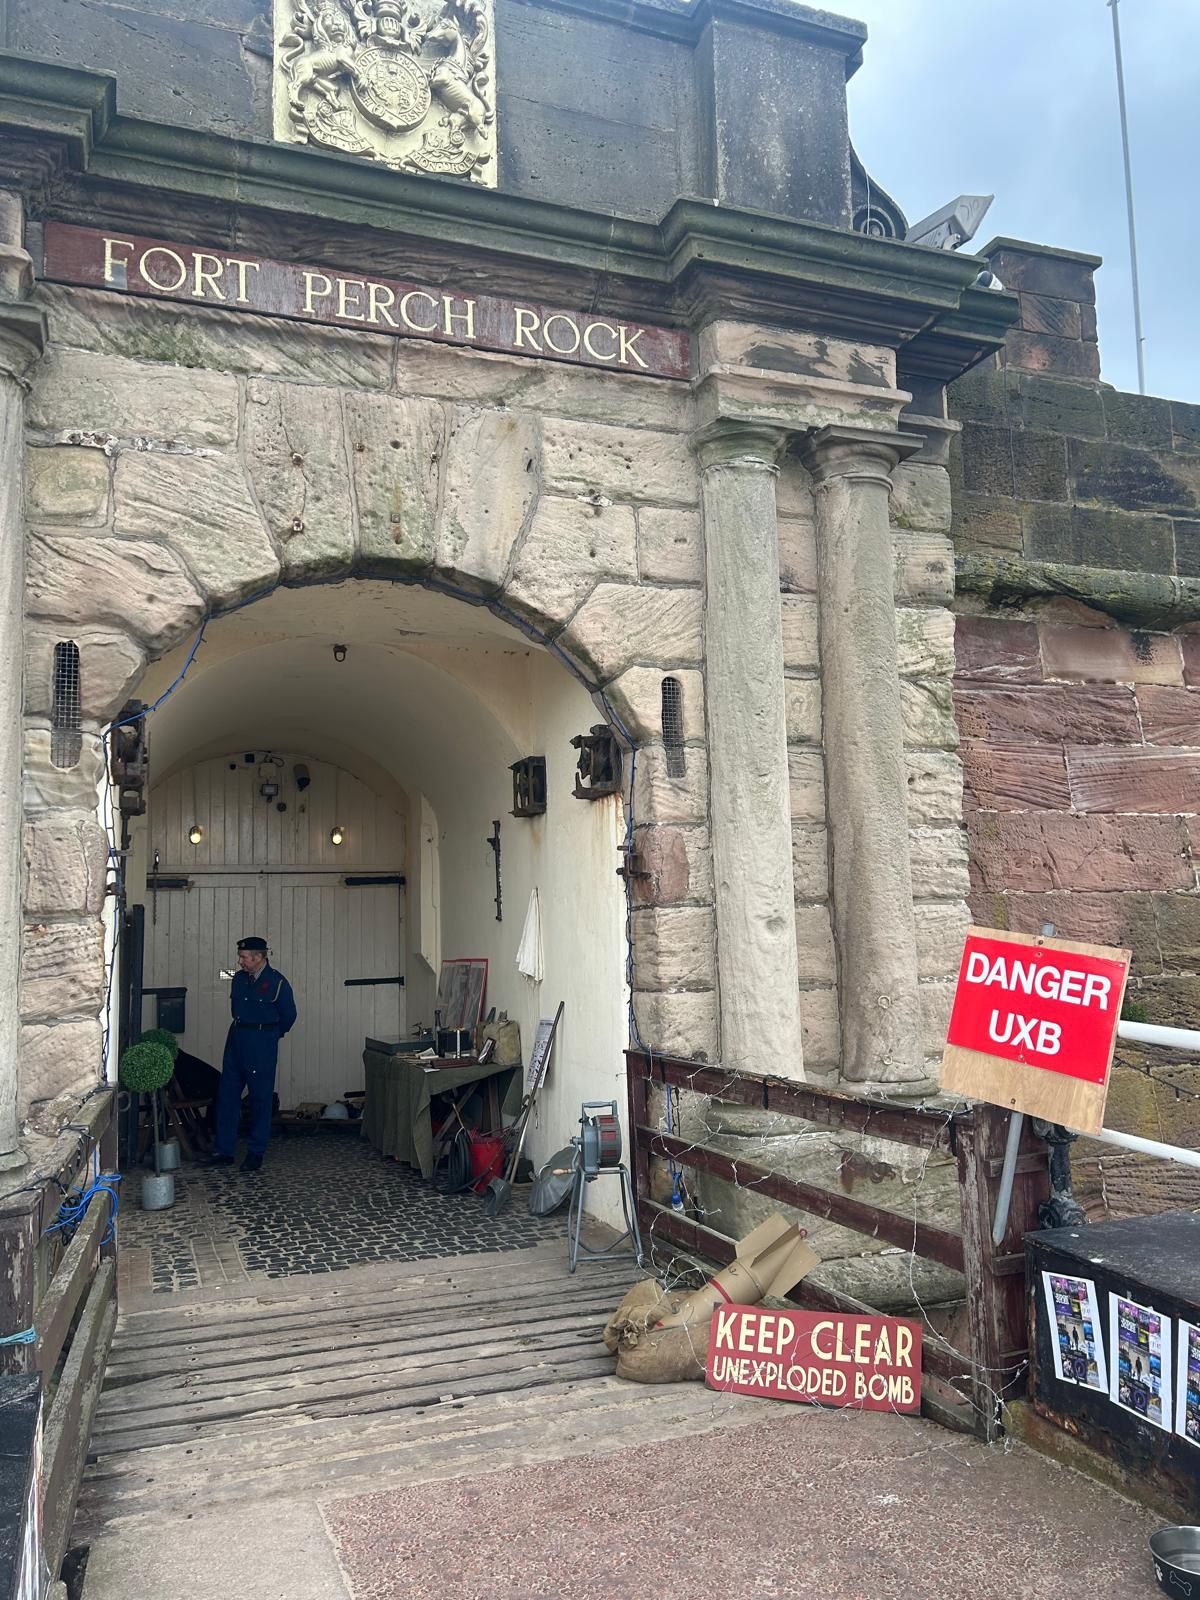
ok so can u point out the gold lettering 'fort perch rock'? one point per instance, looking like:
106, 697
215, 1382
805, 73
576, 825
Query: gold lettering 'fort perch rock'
238, 281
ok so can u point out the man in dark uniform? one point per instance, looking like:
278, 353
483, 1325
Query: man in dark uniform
263, 1011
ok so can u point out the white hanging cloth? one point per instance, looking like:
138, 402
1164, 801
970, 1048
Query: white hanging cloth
529, 951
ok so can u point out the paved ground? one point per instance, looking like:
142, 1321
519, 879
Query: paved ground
816, 1505
226, 1227
452, 1429
806, 1505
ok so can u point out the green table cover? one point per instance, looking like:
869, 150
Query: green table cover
396, 1117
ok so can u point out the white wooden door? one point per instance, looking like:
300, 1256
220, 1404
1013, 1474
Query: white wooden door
253, 841
321, 931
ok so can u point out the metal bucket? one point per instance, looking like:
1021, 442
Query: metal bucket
168, 1155
158, 1191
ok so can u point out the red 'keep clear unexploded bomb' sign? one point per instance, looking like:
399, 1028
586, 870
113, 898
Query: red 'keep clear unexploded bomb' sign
1034, 1025
871, 1363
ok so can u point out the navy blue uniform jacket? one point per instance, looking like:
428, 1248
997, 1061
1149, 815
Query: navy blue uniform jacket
266, 998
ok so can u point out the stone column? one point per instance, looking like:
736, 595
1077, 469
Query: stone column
758, 986
864, 754
22, 338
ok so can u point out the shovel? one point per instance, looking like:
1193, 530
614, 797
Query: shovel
499, 1192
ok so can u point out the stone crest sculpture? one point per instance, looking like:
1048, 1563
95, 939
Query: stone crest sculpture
408, 83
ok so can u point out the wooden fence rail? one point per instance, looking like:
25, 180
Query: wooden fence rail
993, 1365
66, 1292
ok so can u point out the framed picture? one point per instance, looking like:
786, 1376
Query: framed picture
462, 984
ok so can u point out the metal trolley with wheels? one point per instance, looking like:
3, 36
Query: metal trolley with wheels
597, 1152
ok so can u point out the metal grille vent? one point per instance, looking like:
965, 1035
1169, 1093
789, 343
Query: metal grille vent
66, 737
672, 727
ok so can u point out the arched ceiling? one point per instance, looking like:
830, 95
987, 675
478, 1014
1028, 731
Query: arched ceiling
430, 688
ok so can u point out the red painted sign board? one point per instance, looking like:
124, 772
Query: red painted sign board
1034, 1024
816, 1358
220, 278
1044, 1007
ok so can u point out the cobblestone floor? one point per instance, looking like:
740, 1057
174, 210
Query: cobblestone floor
323, 1201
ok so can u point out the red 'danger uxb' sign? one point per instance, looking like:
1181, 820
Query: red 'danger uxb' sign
819, 1358
1034, 1025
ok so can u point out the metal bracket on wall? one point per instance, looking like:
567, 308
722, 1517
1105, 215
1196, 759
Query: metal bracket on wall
598, 772
633, 865
494, 841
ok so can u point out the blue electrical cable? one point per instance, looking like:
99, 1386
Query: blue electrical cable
72, 1212
183, 671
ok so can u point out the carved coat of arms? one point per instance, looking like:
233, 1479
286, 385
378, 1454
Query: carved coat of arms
408, 83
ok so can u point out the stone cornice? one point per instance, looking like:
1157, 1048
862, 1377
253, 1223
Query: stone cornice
1138, 599
686, 20
62, 106
700, 261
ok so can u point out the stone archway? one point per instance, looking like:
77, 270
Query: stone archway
583, 535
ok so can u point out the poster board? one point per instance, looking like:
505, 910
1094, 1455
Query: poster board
1187, 1382
539, 1055
1034, 1025
1140, 1354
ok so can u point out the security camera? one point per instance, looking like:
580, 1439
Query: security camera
953, 225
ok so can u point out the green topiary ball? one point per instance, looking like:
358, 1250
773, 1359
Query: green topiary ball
146, 1066
161, 1036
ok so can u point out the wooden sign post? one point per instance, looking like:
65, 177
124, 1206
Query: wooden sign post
1034, 1025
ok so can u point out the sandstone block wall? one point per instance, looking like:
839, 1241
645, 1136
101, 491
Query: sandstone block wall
1077, 688
182, 460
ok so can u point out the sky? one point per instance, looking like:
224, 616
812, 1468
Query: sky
1018, 98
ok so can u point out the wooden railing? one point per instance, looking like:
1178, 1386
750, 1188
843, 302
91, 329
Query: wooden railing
65, 1292
992, 1367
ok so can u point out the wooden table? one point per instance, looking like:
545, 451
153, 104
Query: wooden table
400, 1090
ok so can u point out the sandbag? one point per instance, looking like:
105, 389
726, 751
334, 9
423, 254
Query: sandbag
660, 1337
647, 1353
507, 1036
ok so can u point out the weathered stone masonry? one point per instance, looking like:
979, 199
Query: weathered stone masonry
803, 877
1077, 532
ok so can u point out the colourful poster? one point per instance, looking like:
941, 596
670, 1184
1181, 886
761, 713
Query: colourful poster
1140, 1344
1187, 1383
1075, 1321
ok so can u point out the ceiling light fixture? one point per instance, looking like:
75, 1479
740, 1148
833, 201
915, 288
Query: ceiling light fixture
336, 834
195, 833
339, 652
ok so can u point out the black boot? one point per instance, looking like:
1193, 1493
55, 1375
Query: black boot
252, 1164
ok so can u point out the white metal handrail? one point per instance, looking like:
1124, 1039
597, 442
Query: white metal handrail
1185, 1039
1168, 1039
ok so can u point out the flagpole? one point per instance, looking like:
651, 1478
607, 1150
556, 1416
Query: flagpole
1133, 261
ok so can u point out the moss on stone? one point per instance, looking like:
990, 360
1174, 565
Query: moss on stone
178, 346
1139, 599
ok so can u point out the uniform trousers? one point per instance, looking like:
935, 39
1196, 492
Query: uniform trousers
248, 1067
